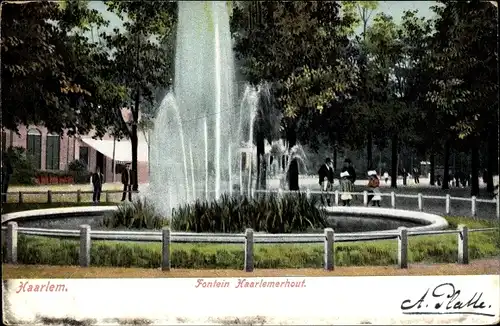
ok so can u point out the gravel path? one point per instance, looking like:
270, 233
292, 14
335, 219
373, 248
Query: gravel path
477, 267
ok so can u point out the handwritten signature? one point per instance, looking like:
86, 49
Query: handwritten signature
446, 299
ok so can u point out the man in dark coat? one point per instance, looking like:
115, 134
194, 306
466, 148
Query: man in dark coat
127, 183
349, 168
97, 181
326, 175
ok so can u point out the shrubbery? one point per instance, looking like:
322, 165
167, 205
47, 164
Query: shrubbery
427, 249
78, 171
140, 214
24, 171
267, 213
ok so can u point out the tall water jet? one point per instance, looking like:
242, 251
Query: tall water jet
205, 134
199, 113
230, 162
250, 143
193, 184
218, 94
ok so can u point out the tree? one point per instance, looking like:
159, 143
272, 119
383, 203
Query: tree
299, 46
140, 61
363, 11
51, 74
466, 53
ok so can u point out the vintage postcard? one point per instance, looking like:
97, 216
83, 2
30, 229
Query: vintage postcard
249, 163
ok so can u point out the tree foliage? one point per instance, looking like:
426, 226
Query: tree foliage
51, 74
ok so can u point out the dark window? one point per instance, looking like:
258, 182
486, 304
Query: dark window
52, 152
84, 155
34, 147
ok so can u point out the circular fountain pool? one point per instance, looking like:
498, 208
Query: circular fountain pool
341, 219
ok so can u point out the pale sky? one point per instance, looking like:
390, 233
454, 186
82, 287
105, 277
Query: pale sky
393, 8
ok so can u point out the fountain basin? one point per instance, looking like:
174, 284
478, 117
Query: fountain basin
349, 220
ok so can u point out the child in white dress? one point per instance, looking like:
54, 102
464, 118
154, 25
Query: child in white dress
346, 188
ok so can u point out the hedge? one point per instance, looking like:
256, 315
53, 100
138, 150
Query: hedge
423, 249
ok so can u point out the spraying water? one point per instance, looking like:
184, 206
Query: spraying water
198, 120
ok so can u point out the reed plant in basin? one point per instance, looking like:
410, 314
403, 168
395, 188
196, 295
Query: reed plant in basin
265, 213
140, 214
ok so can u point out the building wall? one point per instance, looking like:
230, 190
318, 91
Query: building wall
69, 150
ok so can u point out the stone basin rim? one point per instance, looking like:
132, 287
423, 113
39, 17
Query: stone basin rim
430, 222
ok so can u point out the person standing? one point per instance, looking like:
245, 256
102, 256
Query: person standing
349, 168
127, 183
346, 187
373, 185
97, 179
7, 171
386, 176
416, 175
325, 174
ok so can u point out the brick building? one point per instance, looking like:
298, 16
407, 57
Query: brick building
53, 152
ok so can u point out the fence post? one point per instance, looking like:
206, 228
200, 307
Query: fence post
448, 203
473, 206
308, 193
85, 245
365, 198
420, 202
107, 196
248, 250
165, 256
329, 259
78, 196
403, 247
21, 197
12, 243
336, 197
49, 196
393, 199
463, 244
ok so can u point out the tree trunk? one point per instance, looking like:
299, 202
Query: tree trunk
293, 170
135, 117
335, 157
446, 166
394, 161
261, 163
433, 169
492, 164
134, 141
474, 190
369, 152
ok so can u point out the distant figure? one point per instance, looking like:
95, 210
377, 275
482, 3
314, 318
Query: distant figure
439, 180
405, 176
346, 187
485, 176
373, 186
97, 180
416, 175
127, 183
325, 174
349, 168
7, 171
386, 176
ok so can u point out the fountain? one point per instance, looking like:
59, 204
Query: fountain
198, 123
